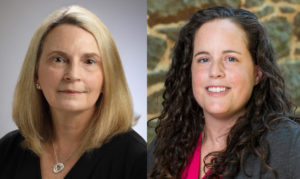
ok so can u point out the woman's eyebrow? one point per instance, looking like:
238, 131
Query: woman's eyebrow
232, 51
92, 54
58, 52
201, 53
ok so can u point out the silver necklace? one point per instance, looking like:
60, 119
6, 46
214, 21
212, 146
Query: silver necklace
59, 166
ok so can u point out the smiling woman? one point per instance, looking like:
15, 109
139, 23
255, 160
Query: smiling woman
225, 111
72, 106
223, 83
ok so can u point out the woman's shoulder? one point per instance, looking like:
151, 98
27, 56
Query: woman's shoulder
129, 143
10, 143
130, 138
287, 122
283, 128
11, 139
150, 155
15, 160
124, 156
284, 144
284, 134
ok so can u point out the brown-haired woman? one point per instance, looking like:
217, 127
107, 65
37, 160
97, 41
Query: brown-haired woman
225, 110
72, 106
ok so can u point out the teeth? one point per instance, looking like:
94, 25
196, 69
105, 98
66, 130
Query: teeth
216, 89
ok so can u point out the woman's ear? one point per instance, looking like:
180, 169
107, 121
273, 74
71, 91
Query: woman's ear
37, 83
258, 74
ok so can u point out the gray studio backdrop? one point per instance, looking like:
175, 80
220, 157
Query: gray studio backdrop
126, 20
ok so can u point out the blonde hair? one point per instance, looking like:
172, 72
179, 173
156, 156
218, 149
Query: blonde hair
114, 112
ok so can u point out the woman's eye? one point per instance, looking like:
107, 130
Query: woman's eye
231, 59
58, 59
90, 61
203, 60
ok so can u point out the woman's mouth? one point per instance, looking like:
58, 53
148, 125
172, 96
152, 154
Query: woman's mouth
70, 91
217, 90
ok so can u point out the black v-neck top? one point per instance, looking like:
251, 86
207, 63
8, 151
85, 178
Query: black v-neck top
123, 157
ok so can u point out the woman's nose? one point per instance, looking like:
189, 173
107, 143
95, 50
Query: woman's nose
216, 69
72, 72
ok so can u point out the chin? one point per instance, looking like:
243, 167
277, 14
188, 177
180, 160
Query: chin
71, 107
217, 107
216, 111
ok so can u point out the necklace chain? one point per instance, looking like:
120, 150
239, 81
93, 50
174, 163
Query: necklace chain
56, 157
59, 166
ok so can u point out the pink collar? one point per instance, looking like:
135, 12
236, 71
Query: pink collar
191, 170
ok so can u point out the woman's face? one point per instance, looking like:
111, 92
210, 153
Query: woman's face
223, 72
70, 70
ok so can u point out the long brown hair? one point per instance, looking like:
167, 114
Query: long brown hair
181, 120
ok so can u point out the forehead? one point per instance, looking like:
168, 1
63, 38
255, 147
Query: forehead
66, 36
220, 32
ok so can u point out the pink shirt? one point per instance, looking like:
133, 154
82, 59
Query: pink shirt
191, 170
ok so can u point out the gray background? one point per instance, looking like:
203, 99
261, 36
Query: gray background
126, 20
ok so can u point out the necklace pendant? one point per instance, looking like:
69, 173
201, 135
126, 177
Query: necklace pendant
58, 167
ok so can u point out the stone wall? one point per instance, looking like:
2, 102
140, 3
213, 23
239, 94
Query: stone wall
165, 17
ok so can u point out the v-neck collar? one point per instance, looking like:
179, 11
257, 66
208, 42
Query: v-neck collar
83, 168
192, 169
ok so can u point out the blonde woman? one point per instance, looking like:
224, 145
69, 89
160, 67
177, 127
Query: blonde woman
72, 106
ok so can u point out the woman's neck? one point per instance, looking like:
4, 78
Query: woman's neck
69, 127
216, 131
65, 145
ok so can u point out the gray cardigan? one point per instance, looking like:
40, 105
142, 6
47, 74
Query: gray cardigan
284, 144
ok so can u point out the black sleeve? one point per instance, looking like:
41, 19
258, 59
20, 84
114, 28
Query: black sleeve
7, 147
15, 161
150, 156
139, 166
123, 157
294, 154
